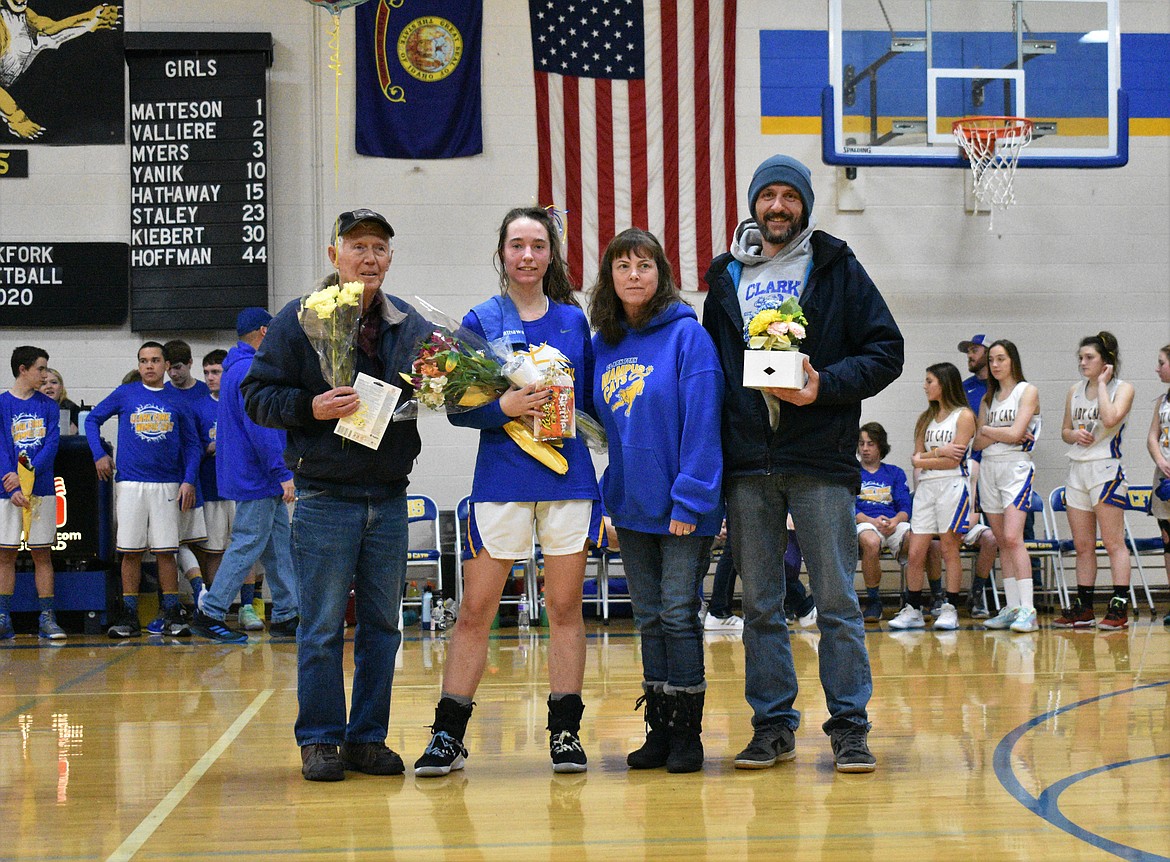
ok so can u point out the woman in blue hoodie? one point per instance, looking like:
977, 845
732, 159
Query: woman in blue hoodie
659, 389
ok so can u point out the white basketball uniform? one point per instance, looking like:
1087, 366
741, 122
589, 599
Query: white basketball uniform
942, 501
1006, 471
1161, 508
1095, 475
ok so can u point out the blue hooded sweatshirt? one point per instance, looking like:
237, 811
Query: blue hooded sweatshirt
249, 458
659, 392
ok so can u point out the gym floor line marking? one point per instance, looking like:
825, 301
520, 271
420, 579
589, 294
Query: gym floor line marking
1046, 805
168, 803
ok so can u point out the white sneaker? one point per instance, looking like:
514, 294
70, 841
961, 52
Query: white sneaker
727, 625
808, 620
908, 618
947, 618
1003, 619
1025, 621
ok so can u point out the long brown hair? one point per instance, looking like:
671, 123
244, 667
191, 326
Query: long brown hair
557, 285
606, 312
1017, 369
952, 397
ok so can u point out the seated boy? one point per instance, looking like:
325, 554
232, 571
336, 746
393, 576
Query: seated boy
883, 513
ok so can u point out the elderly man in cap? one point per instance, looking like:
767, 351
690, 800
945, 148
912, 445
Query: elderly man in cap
793, 451
250, 470
350, 524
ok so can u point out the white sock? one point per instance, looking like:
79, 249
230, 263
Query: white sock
1011, 592
1024, 588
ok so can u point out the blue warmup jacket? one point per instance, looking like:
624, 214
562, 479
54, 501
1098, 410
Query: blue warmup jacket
249, 459
660, 395
157, 438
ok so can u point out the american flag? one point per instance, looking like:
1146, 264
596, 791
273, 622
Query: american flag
635, 116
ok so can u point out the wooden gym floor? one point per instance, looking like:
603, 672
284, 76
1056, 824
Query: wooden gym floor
1054, 745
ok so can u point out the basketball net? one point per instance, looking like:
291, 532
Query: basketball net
992, 145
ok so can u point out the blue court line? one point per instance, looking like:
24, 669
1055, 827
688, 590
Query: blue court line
1047, 806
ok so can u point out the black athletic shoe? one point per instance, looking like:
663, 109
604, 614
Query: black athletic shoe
372, 758
319, 762
851, 750
217, 630
124, 624
284, 628
771, 744
175, 622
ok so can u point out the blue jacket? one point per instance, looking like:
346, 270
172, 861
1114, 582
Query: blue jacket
249, 459
852, 341
285, 377
659, 392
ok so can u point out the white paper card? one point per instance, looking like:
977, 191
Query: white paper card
376, 400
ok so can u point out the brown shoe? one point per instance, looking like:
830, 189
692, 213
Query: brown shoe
372, 758
319, 762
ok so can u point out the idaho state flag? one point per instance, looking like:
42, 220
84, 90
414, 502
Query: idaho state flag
418, 78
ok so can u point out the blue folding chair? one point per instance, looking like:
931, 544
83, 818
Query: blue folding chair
421, 510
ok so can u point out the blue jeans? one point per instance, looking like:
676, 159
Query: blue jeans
260, 531
336, 542
663, 577
797, 601
758, 507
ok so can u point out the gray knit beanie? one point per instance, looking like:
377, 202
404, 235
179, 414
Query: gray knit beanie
781, 169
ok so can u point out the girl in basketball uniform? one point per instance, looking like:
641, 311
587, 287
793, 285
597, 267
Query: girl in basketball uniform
512, 493
1009, 423
942, 500
1158, 444
1095, 492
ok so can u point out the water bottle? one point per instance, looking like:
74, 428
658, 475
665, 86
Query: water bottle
522, 614
438, 619
426, 620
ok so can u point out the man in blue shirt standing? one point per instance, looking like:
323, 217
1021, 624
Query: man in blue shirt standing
250, 469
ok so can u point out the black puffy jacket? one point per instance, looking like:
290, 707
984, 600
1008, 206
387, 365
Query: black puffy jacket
852, 341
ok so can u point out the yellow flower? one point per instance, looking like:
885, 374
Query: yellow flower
351, 293
760, 322
324, 308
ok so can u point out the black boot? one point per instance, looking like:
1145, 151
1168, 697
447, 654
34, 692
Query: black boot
564, 723
686, 726
655, 749
446, 750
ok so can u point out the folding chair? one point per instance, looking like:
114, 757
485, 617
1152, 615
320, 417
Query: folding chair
1138, 500
1049, 551
422, 510
604, 556
1056, 504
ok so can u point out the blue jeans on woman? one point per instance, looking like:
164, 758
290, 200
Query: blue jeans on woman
663, 577
339, 541
823, 513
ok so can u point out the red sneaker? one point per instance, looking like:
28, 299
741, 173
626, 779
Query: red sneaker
1077, 617
1116, 616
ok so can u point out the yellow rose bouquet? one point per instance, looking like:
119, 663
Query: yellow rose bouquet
329, 317
773, 336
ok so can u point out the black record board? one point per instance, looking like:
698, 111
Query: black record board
198, 188
59, 284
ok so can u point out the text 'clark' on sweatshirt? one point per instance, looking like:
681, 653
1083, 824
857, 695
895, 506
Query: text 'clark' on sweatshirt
659, 392
157, 439
767, 279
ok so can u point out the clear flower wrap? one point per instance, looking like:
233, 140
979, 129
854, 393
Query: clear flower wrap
329, 317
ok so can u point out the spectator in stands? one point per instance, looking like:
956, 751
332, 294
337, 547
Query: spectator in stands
883, 513
55, 388
29, 434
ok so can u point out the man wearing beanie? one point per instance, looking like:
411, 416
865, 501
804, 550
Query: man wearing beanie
250, 469
793, 451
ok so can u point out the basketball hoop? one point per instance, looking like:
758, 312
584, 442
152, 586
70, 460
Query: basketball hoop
992, 145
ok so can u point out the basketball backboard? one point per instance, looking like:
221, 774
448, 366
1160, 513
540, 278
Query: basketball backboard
901, 71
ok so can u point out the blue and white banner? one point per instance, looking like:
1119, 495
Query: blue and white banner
418, 78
